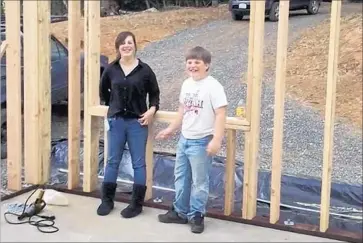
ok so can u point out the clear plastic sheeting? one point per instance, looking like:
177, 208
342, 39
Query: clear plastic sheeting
300, 197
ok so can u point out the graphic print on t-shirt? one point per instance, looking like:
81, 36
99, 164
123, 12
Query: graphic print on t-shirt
192, 103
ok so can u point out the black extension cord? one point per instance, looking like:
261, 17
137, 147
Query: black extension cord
33, 211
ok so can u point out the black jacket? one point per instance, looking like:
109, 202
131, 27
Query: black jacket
126, 95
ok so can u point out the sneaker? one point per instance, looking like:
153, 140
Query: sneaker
197, 223
172, 217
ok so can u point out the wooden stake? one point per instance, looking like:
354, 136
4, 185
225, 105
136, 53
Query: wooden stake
277, 149
37, 82
255, 109
229, 184
74, 93
13, 96
91, 98
247, 135
330, 113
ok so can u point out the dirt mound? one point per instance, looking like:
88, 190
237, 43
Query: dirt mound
307, 68
147, 26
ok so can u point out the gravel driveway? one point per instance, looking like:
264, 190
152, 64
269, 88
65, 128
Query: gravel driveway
228, 42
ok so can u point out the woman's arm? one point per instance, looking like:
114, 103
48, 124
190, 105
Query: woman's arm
105, 87
154, 92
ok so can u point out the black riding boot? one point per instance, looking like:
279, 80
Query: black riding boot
108, 195
135, 207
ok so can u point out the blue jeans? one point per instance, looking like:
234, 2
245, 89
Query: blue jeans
131, 131
192, 167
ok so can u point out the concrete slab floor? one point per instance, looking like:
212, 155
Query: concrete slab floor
78, 222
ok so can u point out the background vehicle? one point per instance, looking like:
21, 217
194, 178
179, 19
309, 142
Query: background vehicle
240, 8
59, 77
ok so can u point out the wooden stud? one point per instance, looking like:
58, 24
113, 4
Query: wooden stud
13, 97
247, 135
277, 148
330, 113
91, 98
149, 163
74, 93
229, 184
37, 82
255, 109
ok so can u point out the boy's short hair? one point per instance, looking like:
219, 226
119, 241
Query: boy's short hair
199, 53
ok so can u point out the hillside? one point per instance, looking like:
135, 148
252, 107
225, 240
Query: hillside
147, 26
307, 68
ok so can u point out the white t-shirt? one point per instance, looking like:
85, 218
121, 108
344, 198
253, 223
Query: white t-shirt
200, 99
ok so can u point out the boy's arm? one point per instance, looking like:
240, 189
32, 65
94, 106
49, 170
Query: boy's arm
176, 123
219, 125
219, 103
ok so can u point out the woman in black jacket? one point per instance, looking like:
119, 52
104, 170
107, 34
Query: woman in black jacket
124, 86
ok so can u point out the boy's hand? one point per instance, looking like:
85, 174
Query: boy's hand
213, 147
164, 133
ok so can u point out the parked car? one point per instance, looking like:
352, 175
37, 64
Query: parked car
59, 77
240, 8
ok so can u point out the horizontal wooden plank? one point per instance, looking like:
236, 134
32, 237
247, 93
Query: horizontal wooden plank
168, 116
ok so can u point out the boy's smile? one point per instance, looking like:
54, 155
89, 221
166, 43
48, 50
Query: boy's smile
196, 69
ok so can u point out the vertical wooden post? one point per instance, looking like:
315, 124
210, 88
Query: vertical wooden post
229, 184
13, 98
251, 39
277, 148
74, 92
330, 113
149, 163
254, 134
91, 97
37, 105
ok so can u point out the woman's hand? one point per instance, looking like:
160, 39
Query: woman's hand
147, 117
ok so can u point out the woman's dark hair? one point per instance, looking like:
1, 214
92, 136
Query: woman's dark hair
120, 39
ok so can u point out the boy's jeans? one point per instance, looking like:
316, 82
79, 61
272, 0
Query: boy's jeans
131, 131
191, 173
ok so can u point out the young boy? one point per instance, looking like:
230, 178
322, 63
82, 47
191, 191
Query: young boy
201, 116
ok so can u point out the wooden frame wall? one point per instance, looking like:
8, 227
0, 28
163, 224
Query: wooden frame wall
37, 108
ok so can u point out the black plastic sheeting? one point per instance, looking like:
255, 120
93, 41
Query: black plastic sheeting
300, 197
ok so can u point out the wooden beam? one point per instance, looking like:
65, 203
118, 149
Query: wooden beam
330, 113
44, 99
247, 135
149, 163
91, 98
37, 115
168, 116
74, 93
3, 47
13, 97
277, 148
254, 136
229, 184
